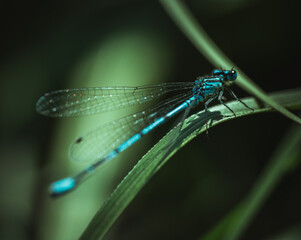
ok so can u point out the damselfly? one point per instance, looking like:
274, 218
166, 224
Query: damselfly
106, 142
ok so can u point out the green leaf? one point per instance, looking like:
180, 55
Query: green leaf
167, 146
197, 35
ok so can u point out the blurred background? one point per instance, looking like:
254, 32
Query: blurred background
48, 45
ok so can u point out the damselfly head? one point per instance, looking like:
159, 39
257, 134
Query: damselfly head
231, 75
228, 75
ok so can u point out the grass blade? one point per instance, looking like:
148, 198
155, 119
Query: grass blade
197, 35
161, 152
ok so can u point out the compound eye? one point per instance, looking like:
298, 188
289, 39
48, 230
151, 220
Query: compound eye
231, 75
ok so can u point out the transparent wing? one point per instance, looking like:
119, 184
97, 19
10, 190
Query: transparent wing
100, 142
86, 101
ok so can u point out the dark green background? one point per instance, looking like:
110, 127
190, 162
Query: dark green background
46, 45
